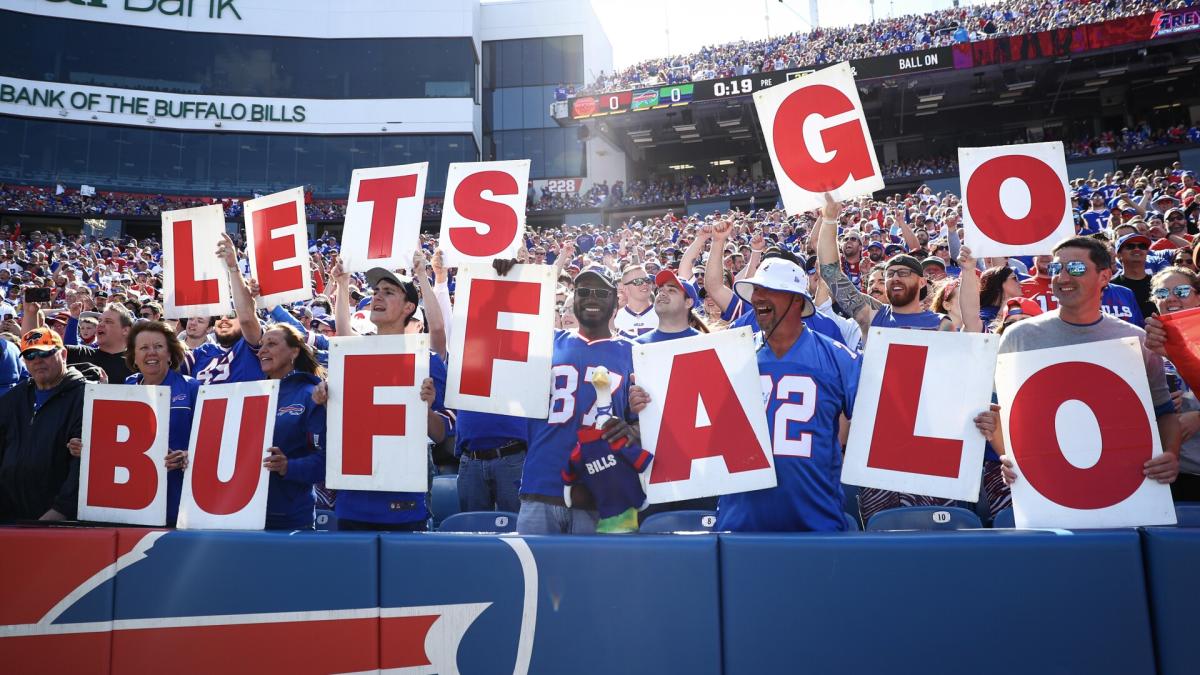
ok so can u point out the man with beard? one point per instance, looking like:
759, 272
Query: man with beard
851, 254
547, 505
234, 357
393, 309
875, 253
903, 280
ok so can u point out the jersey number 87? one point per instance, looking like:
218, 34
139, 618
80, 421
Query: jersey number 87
562, 399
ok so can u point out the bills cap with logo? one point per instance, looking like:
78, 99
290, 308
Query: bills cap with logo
40, 340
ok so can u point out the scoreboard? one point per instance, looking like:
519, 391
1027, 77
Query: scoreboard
636, 100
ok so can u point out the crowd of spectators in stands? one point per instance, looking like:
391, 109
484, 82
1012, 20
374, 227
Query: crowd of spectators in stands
966, 23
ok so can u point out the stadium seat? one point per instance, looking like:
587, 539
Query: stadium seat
1004, 518
679, 521
852, 524
1188, 514
924, 518
326, 521
496, 522
445, 498
850, 499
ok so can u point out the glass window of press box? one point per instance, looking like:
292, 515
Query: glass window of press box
191, 162
95, 53
520, 78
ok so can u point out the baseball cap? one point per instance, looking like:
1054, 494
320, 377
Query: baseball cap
326, 320
1132, 237
775, 274
669, 277
40, 340
598, 272
933, 260
378, 274
904, 260
1022, 306
893, 249
876, 244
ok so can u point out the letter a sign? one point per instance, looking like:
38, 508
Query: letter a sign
706, 423
817, 135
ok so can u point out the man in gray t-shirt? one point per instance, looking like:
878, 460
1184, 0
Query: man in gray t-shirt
1081, 269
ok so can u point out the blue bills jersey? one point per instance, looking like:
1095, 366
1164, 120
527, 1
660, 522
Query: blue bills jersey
239, 363
805, 392
573, 405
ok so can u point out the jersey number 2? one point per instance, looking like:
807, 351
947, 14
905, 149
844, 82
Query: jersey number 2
783, 443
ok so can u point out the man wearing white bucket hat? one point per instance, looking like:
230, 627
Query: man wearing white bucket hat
808, 382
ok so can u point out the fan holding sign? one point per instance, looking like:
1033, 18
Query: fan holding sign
1113, 469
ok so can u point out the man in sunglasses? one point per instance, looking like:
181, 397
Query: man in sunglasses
637, 317
39, 479
1131, 251
1080, 271
548, 506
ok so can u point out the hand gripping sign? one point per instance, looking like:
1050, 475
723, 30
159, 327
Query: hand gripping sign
483, 215
277, 244
914, 429
383, 217
122, 478
1015, 199
378, 424
501, 339
817, 136
194, 280
1078, 424
225, 483
706, 424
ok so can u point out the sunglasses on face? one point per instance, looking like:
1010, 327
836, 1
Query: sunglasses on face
598, 293
1180, 291
1074, 268
1175, 218
1141, 246
640, 281
35, 355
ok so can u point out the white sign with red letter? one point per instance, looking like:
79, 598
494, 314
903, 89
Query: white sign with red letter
1079, 425
706, 423
483, 215
378, 424
913, 429
225, 483
1015, 199
383, 217
817, 135
122, 478
277, 245
194, 280
501, 341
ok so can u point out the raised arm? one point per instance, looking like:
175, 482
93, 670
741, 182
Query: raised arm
434, 320
757, 245
714, 269
243, 302
906, 231
968, 292
857, 304
441, 294
688, 261
341, 299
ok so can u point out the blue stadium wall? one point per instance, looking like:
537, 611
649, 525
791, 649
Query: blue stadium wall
146, 601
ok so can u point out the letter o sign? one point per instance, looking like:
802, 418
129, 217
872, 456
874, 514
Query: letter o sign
1046, 199
1126, 439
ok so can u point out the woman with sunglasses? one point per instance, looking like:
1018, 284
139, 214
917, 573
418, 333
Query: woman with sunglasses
1174, 290
154, 354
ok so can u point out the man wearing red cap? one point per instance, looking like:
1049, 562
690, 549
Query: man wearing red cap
39, 479
674, 300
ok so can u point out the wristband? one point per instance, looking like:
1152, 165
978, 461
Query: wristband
828, 221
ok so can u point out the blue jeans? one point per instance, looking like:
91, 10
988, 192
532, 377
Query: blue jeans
490, 484
539, 518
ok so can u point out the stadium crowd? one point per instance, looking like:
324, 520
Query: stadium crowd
914, 32
647, 192
894, 261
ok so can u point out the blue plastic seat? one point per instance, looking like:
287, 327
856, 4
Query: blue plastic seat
1188, 514
326, 521
850, 499
496, 522
445, 498
679, 521
1004, 519
924, 518
852, 523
